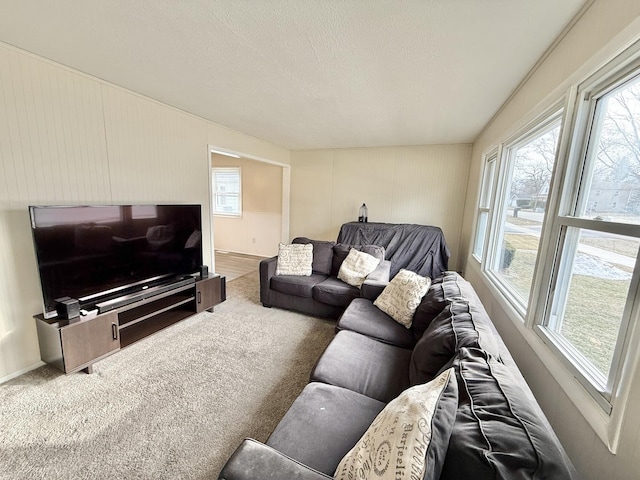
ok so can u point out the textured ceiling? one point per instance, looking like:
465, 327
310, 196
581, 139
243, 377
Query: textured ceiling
305, 73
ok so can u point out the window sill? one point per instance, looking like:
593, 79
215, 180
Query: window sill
228, 215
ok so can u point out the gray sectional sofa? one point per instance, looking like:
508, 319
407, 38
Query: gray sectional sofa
495, 429
321, 294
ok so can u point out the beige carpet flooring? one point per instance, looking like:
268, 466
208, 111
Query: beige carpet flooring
173, 406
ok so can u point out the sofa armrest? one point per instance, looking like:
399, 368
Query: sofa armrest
376, 281
267, 270
253, 460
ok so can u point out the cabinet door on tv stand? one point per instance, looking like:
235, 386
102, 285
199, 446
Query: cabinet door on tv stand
210, 292
88, 341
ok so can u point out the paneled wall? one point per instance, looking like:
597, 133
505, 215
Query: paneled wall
602, 31
258, 230
68, 138
422, 184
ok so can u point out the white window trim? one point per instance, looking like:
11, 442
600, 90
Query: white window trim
214, 191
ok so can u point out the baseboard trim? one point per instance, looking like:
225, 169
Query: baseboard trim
13, 375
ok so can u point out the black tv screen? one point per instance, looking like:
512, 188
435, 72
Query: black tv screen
91, 253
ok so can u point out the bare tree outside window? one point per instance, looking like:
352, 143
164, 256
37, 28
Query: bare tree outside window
531, 163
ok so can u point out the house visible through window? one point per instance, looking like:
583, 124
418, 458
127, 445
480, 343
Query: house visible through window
227, 191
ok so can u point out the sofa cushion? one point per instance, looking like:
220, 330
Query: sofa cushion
340, 252
500, 431
253, 459
335, 292
402, 296
409, 438
294, 259
322, 254
460, 324
299, 286
323, 423
364, 365
443, 290
356, 267
363, 317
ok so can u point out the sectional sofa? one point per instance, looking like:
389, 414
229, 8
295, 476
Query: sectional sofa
485, 422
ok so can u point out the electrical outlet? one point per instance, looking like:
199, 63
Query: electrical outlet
253, 240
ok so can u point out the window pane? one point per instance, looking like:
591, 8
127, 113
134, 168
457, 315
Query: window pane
592, 287
57, 216
144, 211
227, 204
613, 176
227, 186
227, 182
525, 201
481, 230
487, 183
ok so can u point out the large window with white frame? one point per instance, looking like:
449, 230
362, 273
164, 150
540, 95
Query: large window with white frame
526, 167
227, 191
593, 279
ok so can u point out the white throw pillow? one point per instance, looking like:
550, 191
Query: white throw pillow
295, 259
402, 296
400, 442
356, 267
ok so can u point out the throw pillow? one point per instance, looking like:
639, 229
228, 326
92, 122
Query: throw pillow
409, 438
401, 297
341, 250
356, 267
322, 254
294, 259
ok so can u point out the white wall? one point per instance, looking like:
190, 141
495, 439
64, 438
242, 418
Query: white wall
421, 184
68, 138
602, 31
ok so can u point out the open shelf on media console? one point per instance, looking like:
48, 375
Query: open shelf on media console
140, 330
143, 312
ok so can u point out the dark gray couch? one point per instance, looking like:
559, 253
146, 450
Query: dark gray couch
498, 431
321, 294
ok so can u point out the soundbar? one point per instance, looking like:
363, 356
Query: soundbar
123, 300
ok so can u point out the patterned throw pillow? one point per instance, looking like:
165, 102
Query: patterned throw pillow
401, 297
356, 267
294, 259
409, 438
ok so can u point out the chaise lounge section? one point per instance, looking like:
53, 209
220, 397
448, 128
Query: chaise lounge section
486, 425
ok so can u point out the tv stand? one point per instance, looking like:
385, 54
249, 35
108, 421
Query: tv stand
73, 345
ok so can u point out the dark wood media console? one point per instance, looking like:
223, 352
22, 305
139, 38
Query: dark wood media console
73, 345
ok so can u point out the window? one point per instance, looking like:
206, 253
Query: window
227, 192
144, 211
594, 279
521, 201
484, 204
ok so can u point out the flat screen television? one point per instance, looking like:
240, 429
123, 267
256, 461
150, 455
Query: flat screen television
93, 253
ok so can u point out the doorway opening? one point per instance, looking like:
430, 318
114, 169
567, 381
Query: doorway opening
249, 209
